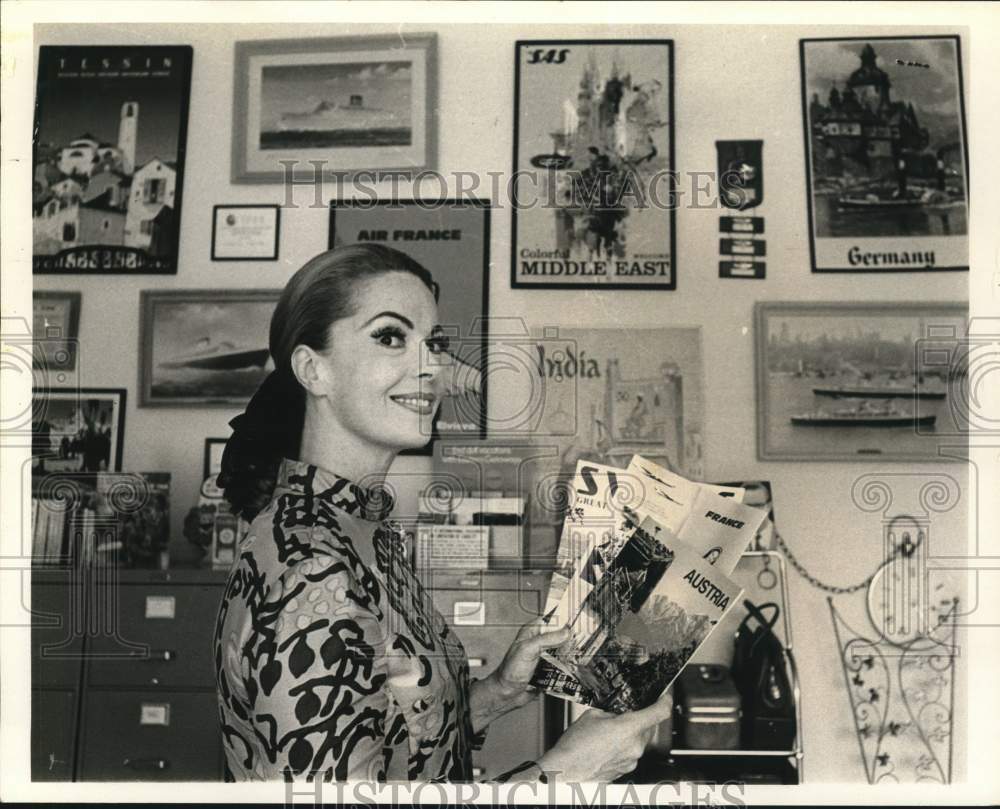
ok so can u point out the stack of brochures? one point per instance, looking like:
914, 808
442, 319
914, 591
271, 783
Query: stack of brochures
641, 580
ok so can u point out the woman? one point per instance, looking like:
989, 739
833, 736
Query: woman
331, 660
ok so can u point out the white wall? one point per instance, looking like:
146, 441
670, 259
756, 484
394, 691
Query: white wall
731, 83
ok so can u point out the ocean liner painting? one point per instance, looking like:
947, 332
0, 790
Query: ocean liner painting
305, 108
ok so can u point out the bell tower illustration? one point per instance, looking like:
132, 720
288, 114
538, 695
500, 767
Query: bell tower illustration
127, 128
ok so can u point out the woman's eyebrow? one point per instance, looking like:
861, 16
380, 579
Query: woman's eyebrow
388, 313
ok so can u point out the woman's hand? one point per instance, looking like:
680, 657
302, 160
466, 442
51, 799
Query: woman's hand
509, 686
602, 746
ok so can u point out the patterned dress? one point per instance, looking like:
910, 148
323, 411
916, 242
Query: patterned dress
331, 660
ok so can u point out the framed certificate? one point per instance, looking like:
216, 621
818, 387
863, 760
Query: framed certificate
245, 232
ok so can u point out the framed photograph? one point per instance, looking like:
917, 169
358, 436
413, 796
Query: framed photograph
55, 329
204, 346
214, 447
886, 154
593, 158
77, 429
451, 238
245, 232
110, 133
303, 107
859, 381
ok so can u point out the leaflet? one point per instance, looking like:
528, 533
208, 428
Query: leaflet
593, 520
639, 624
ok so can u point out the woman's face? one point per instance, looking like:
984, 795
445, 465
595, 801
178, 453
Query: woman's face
385, 363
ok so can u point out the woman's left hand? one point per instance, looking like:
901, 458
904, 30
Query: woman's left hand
513, 675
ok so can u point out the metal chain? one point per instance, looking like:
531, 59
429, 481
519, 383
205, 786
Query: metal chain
830, 588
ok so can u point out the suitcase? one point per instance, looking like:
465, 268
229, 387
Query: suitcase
708, 707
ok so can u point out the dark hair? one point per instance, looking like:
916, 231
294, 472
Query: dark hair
320, 293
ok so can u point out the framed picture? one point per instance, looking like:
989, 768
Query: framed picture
214, 447
593, 161
451, 238
860, 381
204, 346
55, 329
308, 107
110, 132
77, 429
886, 157
606, 396
245, 232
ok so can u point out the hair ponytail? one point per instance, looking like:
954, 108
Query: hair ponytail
270, 429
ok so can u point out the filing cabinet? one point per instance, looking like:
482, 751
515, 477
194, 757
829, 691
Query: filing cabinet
486, 609
123, 676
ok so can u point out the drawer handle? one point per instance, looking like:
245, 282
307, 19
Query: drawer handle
469, 582
160, 656
146, 763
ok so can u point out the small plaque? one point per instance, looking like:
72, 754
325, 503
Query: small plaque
741, 269
161, 607
155, 713
741, 224
469, 613
742, 247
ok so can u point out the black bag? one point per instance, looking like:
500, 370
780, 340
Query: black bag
760, 670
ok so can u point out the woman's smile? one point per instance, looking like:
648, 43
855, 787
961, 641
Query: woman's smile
421, 403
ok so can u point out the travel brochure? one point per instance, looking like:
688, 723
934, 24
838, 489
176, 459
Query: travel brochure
641, 580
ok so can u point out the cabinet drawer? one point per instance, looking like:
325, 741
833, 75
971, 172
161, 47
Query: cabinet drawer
176, 622
56, 634
151, 736
53, 728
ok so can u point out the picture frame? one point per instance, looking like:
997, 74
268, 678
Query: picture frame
77, 429
886, 148
109, 152
246, 232
214, 448
336, 104
561, 239
451, 238
859, 381
204, 347
55, 329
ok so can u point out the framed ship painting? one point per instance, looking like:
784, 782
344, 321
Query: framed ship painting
204, 346
886, 157
451, 238
593, 161
860, 381
110, 133
310, 108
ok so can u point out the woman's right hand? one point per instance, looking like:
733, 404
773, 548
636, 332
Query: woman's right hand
601, 746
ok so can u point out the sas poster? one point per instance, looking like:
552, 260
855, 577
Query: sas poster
593, 154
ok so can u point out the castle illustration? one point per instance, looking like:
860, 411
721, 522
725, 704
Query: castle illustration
90, 192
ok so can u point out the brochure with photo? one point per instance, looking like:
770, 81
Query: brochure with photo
638, 624
594, 519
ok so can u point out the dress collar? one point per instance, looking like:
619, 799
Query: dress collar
374, 503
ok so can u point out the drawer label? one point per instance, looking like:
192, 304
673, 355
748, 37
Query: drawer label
154, 713
161, 607
469, 613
